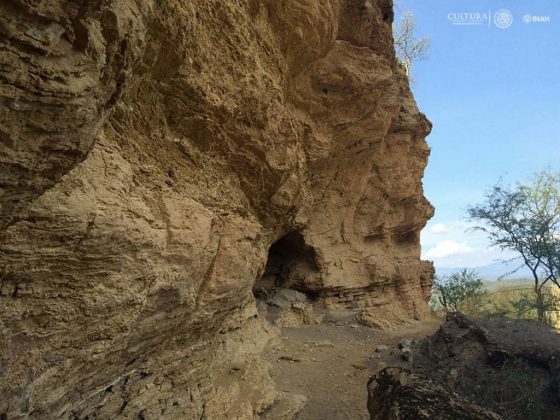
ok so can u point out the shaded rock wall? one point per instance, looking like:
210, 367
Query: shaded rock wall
150, 154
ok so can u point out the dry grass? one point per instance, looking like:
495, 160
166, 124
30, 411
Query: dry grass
502, 299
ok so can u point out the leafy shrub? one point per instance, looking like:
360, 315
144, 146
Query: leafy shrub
464, 288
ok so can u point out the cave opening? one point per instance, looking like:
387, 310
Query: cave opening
291, 265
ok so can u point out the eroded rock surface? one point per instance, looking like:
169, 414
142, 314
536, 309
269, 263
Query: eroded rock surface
508, 366
398, 394
470, 369
151, 153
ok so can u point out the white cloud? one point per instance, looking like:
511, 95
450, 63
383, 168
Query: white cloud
446, 248
439, 228
479, 259
460, 246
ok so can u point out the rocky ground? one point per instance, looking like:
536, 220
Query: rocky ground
458, 369
508, 366
323, 369
489, 368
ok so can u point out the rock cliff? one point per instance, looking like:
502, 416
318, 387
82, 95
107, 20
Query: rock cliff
155, 155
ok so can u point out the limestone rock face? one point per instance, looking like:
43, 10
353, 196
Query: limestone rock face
63, 65
152, 153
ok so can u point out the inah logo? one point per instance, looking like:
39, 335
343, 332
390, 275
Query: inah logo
503, 18
536, 19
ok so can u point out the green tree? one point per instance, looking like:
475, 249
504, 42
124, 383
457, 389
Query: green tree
408, 47
459, 287
525, 218
526, 306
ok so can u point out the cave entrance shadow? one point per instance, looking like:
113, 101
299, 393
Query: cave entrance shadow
291, 263
290, 278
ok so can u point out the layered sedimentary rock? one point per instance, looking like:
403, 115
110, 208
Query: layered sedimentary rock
152, 153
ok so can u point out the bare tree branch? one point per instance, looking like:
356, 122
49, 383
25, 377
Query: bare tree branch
408, 48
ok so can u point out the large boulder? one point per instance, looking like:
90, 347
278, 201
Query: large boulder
509, 366
398, 394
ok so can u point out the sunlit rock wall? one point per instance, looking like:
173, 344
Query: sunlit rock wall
150, 154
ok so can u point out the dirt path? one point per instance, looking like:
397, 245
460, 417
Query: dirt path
330, 364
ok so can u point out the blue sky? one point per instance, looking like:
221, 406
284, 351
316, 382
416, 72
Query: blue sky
493, 96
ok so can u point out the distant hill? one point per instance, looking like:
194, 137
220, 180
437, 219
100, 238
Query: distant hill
493, 271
